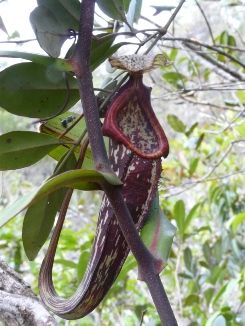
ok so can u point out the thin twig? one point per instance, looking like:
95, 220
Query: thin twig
216, 63
226, 108
206, 178
163, 31
208, 46
206, 20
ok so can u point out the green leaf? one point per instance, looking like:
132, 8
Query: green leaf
241, 96
221, 291
192, 128
77, 179
174, 78
191, 299
241, 130
179, 215
59, 64
36, 91
188, 259
102, 49
200, 140
56, 127
40, 216
193, 165
64, 17
50, 22
236, 220
191, 215
173, 54
158, 233
114, 8
176, 123
19, 149
82, 264
49, 33
66, 263
208, 294
126, 4
72, 7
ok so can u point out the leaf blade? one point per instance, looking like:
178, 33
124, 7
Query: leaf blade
19, 149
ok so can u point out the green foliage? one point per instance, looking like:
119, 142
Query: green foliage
102, 49
51, 21
176, 123
78, 179
39, 217
36, 91
54, 63
19, 149
158, 233
114, 9
202, 192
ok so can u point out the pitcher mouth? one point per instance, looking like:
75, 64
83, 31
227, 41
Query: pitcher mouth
131, 120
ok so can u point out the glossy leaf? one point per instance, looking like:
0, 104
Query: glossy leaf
157, 234
19, 149
192, 128
191, 300
35, 91
40, 216
236, 220
188, 258
173, 54
82, 264
200, 140
50, 22
48, 31
174, 78
56, 126
77, 179
102, 49
114, 8
241, 96
72, 7
176, 123
62, 14
191, 215
56, 63
179, 215
193, 165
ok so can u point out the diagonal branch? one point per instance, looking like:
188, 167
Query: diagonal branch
163, 31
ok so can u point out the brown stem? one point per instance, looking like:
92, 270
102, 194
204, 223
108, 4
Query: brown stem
145, 260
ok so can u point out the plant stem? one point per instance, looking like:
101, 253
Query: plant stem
144, 258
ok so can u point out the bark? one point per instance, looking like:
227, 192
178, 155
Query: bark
18, 304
